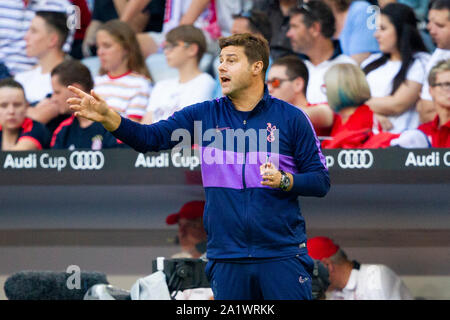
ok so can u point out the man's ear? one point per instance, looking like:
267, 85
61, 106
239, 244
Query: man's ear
327, 263
193, 50
315, 29
299, 84
257, 67
54, 39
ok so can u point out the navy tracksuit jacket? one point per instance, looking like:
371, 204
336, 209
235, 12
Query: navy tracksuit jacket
243, 218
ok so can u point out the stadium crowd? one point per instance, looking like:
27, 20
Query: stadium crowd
368, 74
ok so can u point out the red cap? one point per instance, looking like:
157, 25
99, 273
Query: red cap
190, 210
321, 247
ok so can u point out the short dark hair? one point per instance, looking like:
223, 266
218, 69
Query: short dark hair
56, 21
295, 67
72, 71
441, 5
188, 34
258, 22
341, 5
11, 83
317, 11
256, 48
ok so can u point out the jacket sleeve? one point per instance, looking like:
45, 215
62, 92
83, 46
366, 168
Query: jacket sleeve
162, 135
312, 178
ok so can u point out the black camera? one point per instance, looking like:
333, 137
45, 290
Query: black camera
182, 274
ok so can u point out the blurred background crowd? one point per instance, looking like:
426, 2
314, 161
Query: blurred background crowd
368, 74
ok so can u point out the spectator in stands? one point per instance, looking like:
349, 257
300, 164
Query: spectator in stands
124, 81
140, 15
396, 75
191, 233
420, 8
253, 22
287, 80
17, 132
214, 18
350, 280
45, 38
81, 23
76, 132
184, 48
354, 124
438, 130
15, 20
311, 28
353, 29
439, 28
278, 13
192, 239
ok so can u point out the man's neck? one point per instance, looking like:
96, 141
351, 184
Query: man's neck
341, 17
188, 71
247, 99
346, 271
322, 51
300, 100
84, 123
51, 60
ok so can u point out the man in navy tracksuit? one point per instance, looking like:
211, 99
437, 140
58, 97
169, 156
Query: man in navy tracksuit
256, 233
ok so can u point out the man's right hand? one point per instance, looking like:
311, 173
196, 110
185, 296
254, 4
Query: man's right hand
92, 107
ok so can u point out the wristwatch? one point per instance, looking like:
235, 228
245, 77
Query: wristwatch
285, 181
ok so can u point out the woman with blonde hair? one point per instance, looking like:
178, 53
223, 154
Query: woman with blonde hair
354, 123
124, 81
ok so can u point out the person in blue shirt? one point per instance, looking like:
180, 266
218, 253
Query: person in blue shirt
355, 27
258, 154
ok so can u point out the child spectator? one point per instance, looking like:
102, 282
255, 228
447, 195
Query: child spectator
44, 40
124, 80
396, 75
15, 19
17, 132
184, 48
439, 28
311, 28
438, 130
76, 132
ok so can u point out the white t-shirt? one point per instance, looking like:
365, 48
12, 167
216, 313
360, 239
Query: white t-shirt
169, 96
37, 85
314, 91
128, 94
381, 81
438, 55
372, 282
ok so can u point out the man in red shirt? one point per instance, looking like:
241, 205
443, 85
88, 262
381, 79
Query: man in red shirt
438, 130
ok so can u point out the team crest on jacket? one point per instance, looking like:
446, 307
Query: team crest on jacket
271, 129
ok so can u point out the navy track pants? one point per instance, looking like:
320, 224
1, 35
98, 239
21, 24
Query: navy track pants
261, 279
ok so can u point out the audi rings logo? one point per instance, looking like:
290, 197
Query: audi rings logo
355, 159
87, 160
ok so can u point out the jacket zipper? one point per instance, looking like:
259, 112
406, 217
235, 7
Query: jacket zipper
247, 219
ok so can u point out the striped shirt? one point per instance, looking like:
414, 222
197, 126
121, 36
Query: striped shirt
127, 94
15, 19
